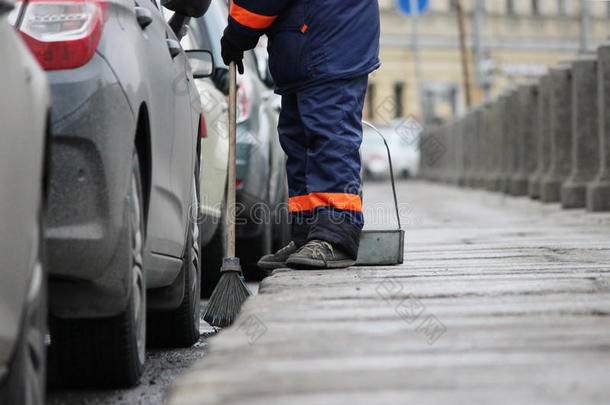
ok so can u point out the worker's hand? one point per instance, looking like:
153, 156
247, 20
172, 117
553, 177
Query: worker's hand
233, 46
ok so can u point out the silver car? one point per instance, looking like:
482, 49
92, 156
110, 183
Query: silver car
123, 250
23, 134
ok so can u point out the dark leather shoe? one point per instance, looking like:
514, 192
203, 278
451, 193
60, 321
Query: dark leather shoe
319, 254
278, 259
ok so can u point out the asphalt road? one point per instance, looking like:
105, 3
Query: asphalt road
161, 369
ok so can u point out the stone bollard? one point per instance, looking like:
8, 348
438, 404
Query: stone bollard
447, 161
598, 191
431, 153
457, 136
470, 145
561, 131
463, 152
511, 123
426, 170
492, 181
484, 141
423, 171
585, 140
543, 136
490, 143
442, 160
526, 138
478, 153
449, 158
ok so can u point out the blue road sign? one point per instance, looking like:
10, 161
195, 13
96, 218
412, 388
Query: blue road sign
405, 6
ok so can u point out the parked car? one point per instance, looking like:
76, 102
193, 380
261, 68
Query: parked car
405, 154
124, 153
262, 191
23, 135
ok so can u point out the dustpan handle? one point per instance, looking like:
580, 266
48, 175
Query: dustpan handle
387, 148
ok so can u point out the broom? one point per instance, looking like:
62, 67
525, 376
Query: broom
231, 291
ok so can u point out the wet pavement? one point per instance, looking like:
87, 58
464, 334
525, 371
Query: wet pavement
500, 300
161, 369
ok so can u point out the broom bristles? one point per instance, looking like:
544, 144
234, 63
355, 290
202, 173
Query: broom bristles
226, 299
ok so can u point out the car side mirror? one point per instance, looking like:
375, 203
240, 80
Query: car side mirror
6, 6
202, 63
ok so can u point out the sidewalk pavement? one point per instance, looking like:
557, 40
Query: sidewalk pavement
500, 300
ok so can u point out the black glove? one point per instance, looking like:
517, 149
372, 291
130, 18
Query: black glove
233, 46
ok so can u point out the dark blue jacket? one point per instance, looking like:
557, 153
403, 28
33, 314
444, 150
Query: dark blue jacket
312, 41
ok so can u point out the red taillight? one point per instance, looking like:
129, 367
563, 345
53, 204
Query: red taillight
202, 128
63, 34
244, 99
237, 183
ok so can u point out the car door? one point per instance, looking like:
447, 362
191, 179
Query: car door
215, 145
166, 225
22, 136
184, 146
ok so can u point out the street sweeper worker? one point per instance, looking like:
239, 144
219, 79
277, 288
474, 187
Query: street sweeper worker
320, 55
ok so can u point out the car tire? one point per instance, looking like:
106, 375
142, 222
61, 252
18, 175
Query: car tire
213, 253
180, 327
107, 352
25, 383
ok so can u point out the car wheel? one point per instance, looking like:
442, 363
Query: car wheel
26, 382
213, 253
107, 352
180, 327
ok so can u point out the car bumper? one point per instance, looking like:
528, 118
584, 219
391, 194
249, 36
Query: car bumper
91, 145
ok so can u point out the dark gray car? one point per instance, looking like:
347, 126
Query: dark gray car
123, 182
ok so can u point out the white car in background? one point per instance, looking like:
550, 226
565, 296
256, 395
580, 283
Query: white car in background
404, 150
23, 134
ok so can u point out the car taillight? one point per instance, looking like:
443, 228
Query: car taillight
244, 99
202, 128
63, 34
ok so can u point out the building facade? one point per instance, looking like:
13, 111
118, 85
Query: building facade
508, 41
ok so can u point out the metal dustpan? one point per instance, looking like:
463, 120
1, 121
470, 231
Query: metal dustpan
382, 247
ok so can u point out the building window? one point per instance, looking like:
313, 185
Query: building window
535, 7
510, 7
398, 93
452, 5
561, 7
